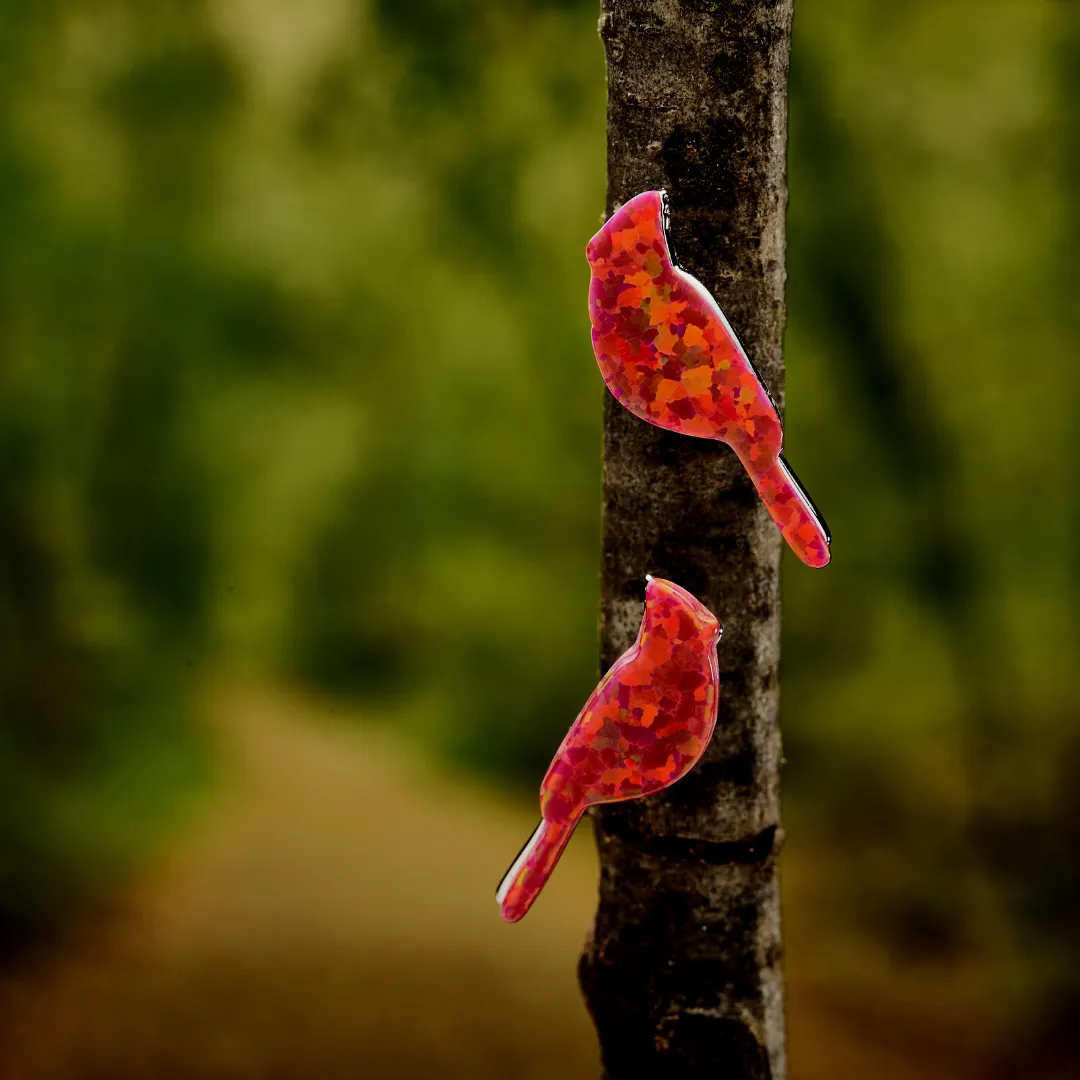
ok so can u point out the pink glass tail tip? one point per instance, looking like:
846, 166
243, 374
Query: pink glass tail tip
795, 515
529, 872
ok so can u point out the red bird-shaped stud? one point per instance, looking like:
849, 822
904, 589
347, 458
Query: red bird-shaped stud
668, 354
643, 728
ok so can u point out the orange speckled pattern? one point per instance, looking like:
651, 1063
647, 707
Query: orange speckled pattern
643, 728
667, 353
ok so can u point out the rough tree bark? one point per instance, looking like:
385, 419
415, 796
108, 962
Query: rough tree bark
682, 972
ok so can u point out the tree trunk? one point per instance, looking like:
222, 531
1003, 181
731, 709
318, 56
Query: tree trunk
682, 972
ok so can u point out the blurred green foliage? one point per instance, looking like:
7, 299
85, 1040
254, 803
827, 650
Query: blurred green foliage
295, 374
931, 701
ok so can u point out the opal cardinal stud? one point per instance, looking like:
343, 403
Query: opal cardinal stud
643, 728
668, 354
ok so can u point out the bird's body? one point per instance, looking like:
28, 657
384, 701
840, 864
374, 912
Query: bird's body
668, 354
643, 728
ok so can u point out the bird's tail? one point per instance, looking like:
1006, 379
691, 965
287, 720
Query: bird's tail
795, 515
521, 884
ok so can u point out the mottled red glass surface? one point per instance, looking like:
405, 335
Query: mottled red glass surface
668, 354
643, 728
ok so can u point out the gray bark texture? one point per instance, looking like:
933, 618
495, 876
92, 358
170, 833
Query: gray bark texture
682, 970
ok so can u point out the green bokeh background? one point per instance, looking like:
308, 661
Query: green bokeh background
295, 379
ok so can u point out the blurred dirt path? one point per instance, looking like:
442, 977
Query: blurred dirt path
331, 914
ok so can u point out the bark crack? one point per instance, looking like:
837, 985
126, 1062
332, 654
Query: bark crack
751, 851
